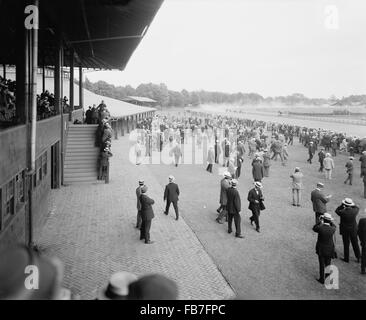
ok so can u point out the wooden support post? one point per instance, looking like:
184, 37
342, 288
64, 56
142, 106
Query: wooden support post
81, 91
71, 98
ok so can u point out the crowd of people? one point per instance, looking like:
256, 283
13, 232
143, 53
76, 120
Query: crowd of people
94, 115
7, 100
226, 139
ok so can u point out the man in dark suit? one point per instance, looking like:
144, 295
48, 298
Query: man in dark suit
255, 198
348, 212
362, 236
319, 201
325, 248
147, 214
171, 195
311, 151
138, 194
234, 208
321, 155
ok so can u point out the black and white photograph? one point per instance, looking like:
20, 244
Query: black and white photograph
183, 150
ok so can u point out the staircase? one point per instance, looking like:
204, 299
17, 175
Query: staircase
81, 158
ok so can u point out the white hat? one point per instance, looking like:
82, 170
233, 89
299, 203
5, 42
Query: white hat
117, 287
227, 174
171, 178
348, 202
327, 216
258, 184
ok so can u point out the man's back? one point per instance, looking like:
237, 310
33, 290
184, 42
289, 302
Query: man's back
325, 243
348, 217
233, 201
146, 207
319, 201
138, 194
171, 192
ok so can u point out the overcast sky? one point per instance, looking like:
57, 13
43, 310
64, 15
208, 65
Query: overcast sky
272, 47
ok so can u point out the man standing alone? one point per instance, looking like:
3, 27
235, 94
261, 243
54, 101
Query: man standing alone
255, 198
296, 186
147, 214
171, 195
138, 194
349, 171
234, 208
319, 201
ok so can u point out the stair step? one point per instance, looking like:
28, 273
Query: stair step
76, 141
81, 157
81, 146
82, 135
82, 151
91, 175
80, 180
77, 161
77, 170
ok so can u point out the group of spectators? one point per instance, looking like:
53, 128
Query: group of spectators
94, 115
46, 105
7, 100
103, 139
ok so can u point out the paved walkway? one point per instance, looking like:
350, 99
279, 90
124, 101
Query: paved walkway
91, 229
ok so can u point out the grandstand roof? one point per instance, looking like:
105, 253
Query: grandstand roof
103, 33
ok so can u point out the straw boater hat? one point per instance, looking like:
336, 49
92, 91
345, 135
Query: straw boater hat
320, 185
258, 184
141, 182
348, 202
327, 216
117, 287
351, 158
227, 174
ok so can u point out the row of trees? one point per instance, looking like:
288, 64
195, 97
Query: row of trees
166, 97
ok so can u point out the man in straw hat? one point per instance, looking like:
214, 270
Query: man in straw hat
224, 186
319, 201
234, 208
171, 195
325, 248
348, 212
255, 198
117, 287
